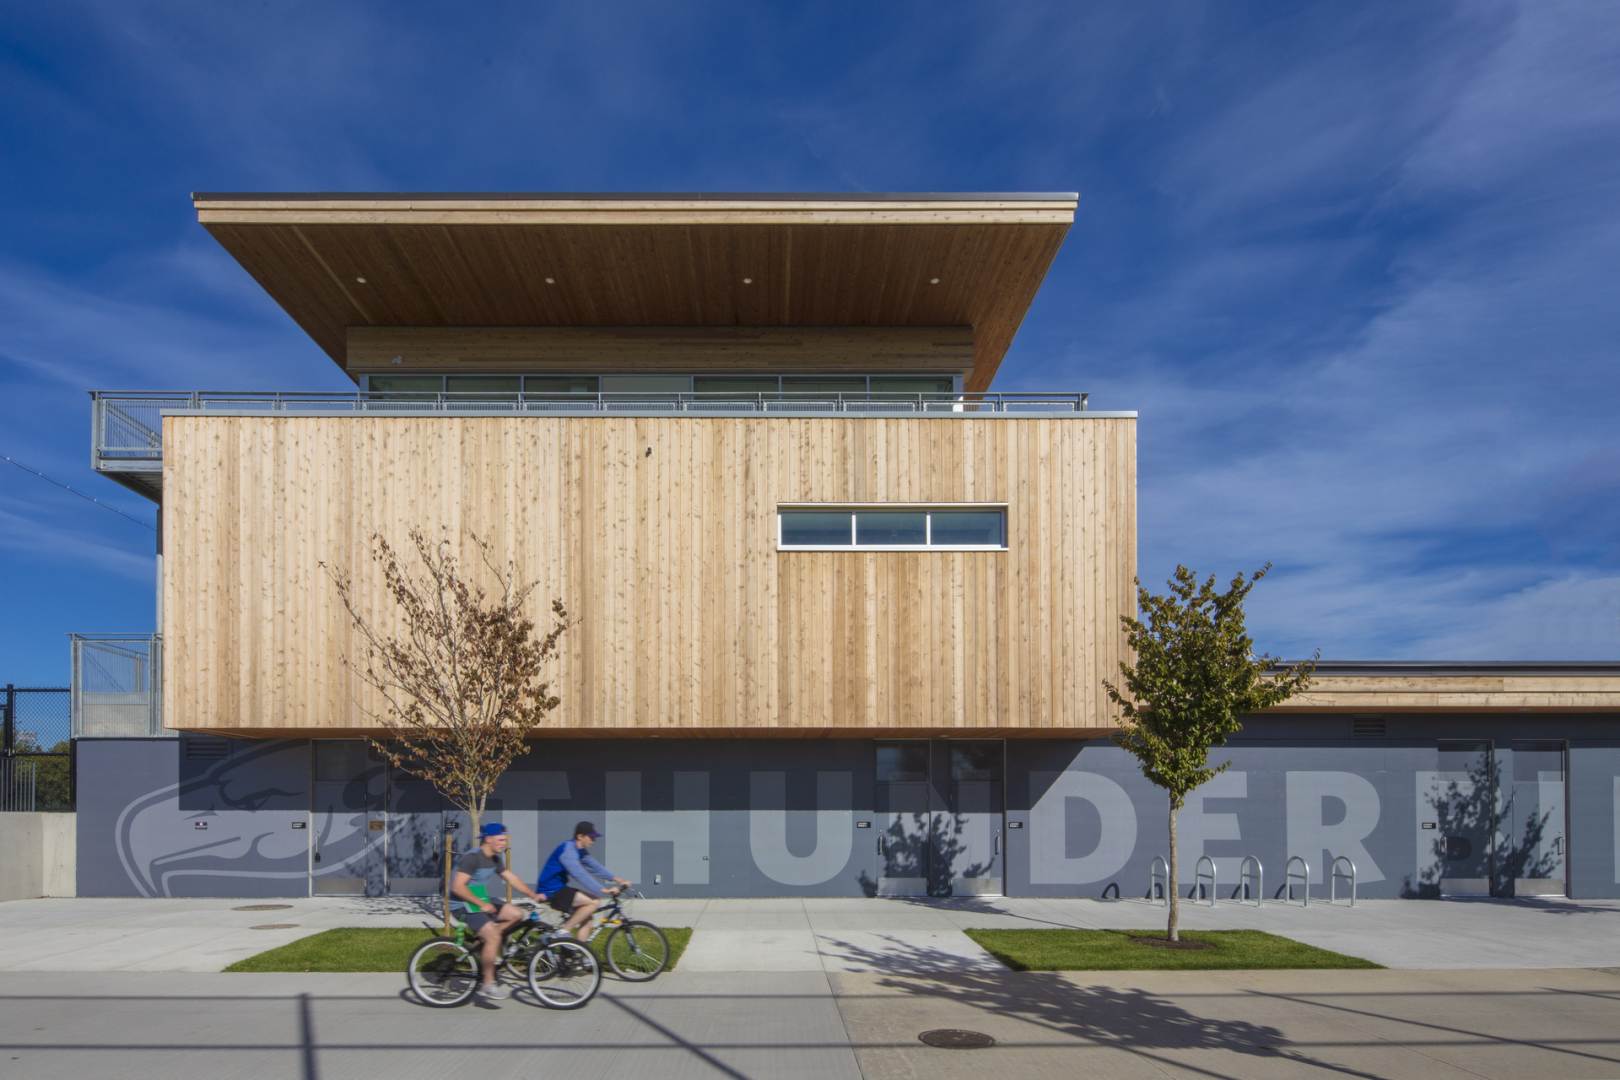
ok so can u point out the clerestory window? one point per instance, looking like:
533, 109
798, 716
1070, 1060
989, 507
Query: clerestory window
953, 527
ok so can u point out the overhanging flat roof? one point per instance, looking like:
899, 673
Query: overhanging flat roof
335, 261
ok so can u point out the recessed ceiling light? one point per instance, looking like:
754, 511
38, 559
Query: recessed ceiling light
933, 281
748, 281
551, 281
359, 281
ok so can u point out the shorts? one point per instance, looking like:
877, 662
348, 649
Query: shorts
476, 920
563, 899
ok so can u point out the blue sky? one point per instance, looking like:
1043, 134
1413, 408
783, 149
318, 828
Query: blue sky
1355, 265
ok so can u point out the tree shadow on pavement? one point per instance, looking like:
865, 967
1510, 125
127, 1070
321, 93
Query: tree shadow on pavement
1128, 1020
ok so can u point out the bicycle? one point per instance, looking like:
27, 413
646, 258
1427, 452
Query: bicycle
561, 974
636, 950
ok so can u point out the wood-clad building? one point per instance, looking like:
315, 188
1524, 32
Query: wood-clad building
844, 608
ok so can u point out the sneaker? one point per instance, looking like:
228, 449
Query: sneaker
494, 992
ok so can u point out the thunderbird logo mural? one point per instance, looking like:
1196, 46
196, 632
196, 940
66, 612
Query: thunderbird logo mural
222, 823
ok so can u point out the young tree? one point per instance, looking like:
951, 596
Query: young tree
1194, 675
460, 679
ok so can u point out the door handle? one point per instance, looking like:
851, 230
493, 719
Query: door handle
1558, 845
997, 849
880, 843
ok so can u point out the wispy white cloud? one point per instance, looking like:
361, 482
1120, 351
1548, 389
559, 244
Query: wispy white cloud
1351, 264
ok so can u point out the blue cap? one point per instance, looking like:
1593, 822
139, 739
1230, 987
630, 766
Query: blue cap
492, 828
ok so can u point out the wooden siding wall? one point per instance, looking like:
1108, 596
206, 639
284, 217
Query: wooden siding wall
866, 350
660, 534
1483, 692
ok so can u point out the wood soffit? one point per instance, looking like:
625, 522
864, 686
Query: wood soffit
336, 262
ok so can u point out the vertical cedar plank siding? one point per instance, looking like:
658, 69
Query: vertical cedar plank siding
691, 619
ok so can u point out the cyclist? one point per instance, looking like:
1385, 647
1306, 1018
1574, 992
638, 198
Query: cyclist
571, 878
489, 919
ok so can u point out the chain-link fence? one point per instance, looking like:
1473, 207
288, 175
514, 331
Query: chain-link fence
36, 751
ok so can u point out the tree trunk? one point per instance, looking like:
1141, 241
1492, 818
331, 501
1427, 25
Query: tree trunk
449, 870
1171, 888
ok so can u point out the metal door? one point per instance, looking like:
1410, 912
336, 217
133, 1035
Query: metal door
347, 836
1459, 801
1533, 843
904, 818
967, 836
414, 856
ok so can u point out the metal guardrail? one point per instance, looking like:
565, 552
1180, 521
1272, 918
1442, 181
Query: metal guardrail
19, 785
117, 686
128, 424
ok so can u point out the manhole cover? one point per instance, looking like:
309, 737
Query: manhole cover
275, 926
262, 907
956, 1039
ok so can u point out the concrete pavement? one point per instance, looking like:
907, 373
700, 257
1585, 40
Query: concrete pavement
69, 1026
1270, 1024
1432, 1026
832, 935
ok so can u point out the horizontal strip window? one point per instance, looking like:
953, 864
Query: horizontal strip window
899, 528
897, 388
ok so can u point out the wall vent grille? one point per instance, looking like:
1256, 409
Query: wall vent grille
207, 749
1369, 727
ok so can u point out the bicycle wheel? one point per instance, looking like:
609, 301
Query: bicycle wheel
564, 974
637, 951
442, 973
516, 950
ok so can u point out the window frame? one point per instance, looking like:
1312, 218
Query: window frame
926, 509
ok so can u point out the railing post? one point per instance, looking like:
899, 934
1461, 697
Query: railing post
154, 682
10, 744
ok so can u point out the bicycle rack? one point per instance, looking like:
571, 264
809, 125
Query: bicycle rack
1256, 875
1159, 876
1335, 875
1199, 877
1303, 877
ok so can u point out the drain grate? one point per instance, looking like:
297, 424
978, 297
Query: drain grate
956, 1039
262, 907
275, 926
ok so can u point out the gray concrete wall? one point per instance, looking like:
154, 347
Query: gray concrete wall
166, 817
36, 855
784, 817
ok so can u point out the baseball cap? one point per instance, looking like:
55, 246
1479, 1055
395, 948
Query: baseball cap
492, 828
585, 828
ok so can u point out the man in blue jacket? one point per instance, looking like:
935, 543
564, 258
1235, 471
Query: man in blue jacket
573, 881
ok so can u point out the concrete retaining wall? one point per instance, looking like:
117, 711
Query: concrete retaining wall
37, 855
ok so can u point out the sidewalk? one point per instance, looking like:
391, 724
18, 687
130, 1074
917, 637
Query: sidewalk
830, 936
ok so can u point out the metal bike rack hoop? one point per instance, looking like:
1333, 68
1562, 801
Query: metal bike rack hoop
1250, 870
1200, 876
1303, 876
1159, 875
1335, 875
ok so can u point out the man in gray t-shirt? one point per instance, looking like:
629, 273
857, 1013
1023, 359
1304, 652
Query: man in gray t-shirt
475, 875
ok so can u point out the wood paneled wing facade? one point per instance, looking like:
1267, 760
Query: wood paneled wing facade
661, 533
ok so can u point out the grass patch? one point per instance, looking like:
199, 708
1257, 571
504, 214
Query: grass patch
388, 948
1113, 950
